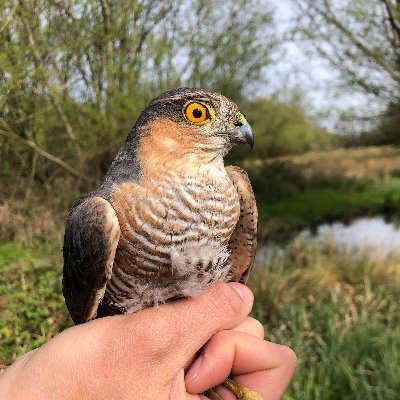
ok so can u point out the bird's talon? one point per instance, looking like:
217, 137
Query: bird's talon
212, 395
241, 392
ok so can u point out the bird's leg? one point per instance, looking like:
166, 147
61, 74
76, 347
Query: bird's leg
241, 392
212, 395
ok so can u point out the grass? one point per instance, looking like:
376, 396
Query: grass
32, 307
339, 311
328, 204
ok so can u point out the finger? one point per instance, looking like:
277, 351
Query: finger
248, 325
238, 353
272, 384
251, 326
181, 328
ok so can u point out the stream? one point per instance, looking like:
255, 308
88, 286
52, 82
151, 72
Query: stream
376, 234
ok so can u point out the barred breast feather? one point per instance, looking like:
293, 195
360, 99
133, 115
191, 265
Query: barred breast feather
174, 237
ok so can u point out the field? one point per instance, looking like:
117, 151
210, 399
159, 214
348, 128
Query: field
339, 312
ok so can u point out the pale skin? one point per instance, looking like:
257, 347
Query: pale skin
175, 351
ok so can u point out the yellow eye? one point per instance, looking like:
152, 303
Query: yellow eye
195, 112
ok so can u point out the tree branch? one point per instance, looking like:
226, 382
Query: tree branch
51, 94
9, 18
323, 25
43, 153
105, 12
392, 19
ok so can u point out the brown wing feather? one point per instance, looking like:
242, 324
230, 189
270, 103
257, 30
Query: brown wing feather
91, 238
243, 242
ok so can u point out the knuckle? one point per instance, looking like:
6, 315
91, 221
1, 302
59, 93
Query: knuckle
151, 343
223, 336
222, 344
258, 327
289, 357
224, 301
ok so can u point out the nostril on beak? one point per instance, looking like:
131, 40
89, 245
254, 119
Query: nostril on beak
238, 123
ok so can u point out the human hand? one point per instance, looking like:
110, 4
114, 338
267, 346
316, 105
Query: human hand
149, 355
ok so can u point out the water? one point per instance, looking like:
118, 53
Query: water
375, 234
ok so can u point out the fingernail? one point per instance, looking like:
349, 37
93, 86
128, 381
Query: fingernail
243, 291
194, 369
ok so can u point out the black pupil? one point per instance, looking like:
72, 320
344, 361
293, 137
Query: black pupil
197, 113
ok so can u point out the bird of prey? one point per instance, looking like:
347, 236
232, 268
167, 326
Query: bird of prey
169, 217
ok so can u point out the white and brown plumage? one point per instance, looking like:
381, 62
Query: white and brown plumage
169, 218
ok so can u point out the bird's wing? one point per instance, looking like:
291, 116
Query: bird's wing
91, 238
243, 242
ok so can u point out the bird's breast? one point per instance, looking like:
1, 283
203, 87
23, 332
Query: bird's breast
174, 238
161, 217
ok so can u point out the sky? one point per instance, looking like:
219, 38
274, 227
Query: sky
294, 68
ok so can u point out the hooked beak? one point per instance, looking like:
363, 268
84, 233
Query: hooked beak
243, 134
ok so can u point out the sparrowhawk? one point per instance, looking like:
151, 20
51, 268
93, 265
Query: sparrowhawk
169, 217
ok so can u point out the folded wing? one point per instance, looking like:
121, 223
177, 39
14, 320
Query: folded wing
91, 238
243, 242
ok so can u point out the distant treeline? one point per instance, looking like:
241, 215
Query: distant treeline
281, 129
387, 130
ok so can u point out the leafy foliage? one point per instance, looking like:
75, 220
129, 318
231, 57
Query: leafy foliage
387, 130
75, 75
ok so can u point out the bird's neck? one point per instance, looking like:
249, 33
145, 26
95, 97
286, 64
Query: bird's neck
166, 149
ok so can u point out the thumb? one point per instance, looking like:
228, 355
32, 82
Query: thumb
184, 326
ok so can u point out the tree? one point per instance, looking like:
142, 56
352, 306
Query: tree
75, 74
360, 38
228, 44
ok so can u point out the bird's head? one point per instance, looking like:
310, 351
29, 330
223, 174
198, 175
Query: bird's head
191, 123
